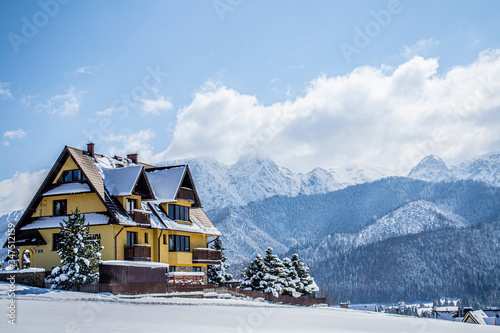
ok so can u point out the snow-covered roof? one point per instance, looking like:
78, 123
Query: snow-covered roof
54, 221
198, 217
479, 316
134, 263
166, 182
446, 309
155, 221
68, 188
196, 214
121, 181
106, 162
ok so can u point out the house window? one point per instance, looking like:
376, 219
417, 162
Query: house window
131, 238
164, 239
178, 243
146, 239
69, 176
56, 238
60, 207
171, 269
131, 204
196, 269
180, 213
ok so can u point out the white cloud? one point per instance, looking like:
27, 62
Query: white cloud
19, 190
67, 104
27, 100
85, 70
421, 47
389, 117
5, 90
273, 81
106, 112
156, 106
17, 134
137, 142
82, 70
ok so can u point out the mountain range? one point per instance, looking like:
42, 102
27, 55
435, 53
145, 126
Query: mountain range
220, 185
485, 168
334, 217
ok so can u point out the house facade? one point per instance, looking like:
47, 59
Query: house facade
137, 212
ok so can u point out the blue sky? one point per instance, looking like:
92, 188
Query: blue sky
307, 83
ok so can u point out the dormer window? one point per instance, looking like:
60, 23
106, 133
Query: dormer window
69, 176
177, 212
131, 205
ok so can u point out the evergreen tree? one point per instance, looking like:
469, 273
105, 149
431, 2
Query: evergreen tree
79, 253
292, 279
305, 286
254, 274
26, 259
275, 278
218, 274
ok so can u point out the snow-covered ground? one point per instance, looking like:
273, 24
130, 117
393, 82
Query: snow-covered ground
42, 310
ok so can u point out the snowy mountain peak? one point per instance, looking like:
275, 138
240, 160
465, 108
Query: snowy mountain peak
431, 168
249, 180
485, 168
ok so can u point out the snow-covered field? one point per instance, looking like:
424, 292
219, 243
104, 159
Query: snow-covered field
42, 310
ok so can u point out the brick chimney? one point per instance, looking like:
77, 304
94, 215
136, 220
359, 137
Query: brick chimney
90, 149
133, 157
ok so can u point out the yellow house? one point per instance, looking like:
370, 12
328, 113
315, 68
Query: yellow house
137, 211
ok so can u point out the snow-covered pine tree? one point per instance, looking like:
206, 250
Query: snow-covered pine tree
218, 274
275, 278
254, 274
306, 282
292, 279
79, 253
26, 259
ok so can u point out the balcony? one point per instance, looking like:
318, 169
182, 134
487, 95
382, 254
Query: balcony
186, 194
140, 216
138, 252
206, 256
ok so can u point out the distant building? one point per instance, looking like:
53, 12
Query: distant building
451, 313
483, 317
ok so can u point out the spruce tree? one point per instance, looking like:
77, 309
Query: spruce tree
218, 274
275, 278
306, 282
254, 274
79, 253
292, 279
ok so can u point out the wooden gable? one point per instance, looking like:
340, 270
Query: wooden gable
187, 189
49, 179
143, 188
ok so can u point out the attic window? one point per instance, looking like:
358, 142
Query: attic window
131, 205
179, 213
69, 176
60, 207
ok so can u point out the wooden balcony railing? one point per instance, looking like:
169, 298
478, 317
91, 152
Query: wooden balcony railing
140, 216
138, 252
186, 194
206, 256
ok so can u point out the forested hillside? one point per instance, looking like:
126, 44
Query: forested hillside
284, 222
459, 262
